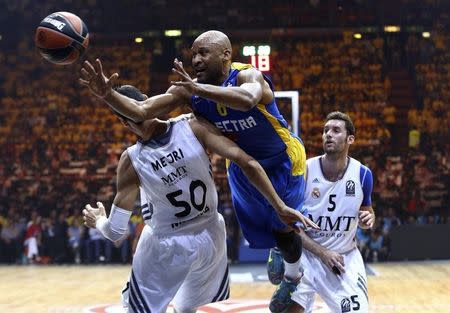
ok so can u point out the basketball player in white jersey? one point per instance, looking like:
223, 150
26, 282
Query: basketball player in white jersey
338, 199
181, 255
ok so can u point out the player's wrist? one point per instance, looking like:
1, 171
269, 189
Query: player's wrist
108, 95
101, 222
197, 88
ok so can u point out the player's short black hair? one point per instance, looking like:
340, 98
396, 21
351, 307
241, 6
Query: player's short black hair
336, 115
130, 92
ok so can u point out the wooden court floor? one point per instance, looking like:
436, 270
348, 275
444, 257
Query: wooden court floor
396, 287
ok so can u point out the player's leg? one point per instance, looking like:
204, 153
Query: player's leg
304, 296
290, 245
208, 279
159, 268
346, 292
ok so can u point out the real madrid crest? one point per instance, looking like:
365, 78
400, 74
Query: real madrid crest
315, 193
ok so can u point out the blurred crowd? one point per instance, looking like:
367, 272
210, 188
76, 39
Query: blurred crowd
60, 146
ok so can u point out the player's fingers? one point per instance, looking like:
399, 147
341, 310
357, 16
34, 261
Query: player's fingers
340, 260
179, 73
112, 79
89, 68
367, 218
178, 83
340, 267
182, 68
99, 65
85, 74
83, 82
310, 223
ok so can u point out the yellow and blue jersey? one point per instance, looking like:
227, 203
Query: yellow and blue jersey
263, 133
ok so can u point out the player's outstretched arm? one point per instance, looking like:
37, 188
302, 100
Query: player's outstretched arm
252, 89
214, 141
115, 226
93, 77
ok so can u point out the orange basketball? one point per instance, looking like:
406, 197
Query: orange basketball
62, 38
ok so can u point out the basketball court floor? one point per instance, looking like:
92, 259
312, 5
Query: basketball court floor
393, 287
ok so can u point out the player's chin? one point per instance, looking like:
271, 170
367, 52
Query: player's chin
201, 77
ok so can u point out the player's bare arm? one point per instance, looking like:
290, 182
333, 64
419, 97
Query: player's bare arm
333, 260
366, 217
114, 227
214, 141
93, 77
252, 89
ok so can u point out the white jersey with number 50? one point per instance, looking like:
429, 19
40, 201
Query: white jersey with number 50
176, 176
334, 206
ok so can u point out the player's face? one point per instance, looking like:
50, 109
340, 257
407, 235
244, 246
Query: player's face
334, 137
207, 62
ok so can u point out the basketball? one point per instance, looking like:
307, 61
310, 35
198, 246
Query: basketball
62, 38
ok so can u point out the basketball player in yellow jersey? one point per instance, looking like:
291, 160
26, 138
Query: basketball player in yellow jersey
239, 100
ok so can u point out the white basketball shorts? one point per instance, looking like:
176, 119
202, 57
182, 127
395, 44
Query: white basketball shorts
342, 293
189, 269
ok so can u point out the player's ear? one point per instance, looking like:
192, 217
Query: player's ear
227, 55
350, 139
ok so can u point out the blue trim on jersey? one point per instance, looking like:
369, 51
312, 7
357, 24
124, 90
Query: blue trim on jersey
366, 178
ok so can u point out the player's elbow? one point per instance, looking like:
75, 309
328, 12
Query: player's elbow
249, 102
140, 114
248, 165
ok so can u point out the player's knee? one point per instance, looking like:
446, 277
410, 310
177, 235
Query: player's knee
290, 245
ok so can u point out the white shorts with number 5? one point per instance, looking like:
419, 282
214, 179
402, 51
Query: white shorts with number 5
342, 293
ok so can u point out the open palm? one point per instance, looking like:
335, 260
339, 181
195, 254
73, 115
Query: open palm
92, 76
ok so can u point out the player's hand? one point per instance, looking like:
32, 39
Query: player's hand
366, 219
334, 261
91, 214
290, 217
92, 76
185, 80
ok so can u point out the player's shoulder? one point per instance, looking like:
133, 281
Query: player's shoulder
313, 160
246, 71
362, 167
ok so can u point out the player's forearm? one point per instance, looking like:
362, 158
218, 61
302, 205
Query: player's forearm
128, 107
233, 97
258, 177
311, 245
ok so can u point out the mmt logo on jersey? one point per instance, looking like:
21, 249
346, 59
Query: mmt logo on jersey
350, 188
